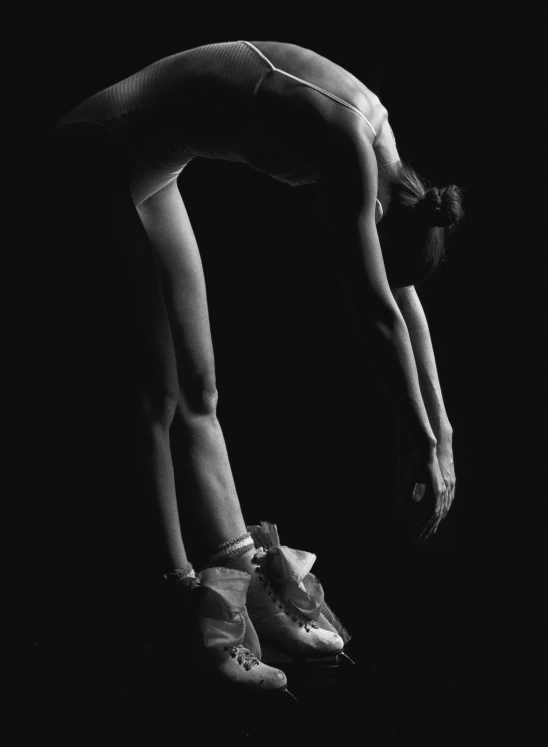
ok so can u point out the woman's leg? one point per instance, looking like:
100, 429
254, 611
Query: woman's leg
96, 215
210, 483
211, 491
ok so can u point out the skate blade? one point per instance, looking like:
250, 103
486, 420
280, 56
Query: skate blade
273, 656
291, 695
347, 657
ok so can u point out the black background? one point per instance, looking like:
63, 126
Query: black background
451, 634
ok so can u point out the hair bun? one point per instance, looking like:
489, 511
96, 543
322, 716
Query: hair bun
442, 207
432, 197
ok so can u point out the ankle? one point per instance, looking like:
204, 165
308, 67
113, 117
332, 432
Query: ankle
178, 575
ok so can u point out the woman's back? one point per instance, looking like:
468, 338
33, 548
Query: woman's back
194, 103
322, 73
225, 101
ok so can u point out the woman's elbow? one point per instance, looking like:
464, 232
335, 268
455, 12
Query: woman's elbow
385, 319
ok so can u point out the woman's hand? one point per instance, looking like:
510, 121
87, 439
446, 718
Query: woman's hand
444, 451
424, 499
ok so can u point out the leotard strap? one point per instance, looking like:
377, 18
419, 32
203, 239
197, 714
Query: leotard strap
311, 85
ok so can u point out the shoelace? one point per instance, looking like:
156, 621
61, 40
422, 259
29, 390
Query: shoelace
289, 609
244, 656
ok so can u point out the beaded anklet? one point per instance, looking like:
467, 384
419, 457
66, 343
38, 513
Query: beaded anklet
232, 549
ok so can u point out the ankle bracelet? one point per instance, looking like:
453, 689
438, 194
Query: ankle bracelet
231, 542
232, 549
179, 574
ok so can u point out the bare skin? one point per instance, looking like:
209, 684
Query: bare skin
210, 486
411, 308
336, 143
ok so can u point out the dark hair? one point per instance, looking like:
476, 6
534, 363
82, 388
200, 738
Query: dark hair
418, 221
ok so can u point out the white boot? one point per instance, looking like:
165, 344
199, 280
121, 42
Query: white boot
214, 601
286, 602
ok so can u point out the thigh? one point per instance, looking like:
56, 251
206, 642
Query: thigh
113, 301
168, 226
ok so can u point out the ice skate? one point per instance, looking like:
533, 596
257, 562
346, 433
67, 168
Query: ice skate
286, 602
209, 630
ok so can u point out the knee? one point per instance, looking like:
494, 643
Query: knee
199, 396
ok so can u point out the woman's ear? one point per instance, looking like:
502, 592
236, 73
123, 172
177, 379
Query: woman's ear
378, 211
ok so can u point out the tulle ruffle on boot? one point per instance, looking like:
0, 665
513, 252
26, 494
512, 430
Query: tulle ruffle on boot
286, 602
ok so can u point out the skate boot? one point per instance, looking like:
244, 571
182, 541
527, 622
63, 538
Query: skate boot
213, 628
286, 602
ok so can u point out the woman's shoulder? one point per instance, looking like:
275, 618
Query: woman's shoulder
317, 69
279, 93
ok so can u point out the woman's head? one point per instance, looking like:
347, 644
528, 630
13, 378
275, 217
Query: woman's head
415, 227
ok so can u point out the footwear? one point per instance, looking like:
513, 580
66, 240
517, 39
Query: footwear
286, 602
219, 634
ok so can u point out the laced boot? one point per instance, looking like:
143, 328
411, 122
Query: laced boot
286, 602
214, 604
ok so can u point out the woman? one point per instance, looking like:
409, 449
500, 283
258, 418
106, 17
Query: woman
300, 118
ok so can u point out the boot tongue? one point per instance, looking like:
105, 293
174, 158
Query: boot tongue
227, 592
265, 534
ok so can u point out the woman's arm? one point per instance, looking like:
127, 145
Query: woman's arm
419, 334
347, 194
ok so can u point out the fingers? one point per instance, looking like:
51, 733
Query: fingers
453, 490
427, 529
443, 504
446, 498
449, 498
431, 527
442, 508
447, 502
